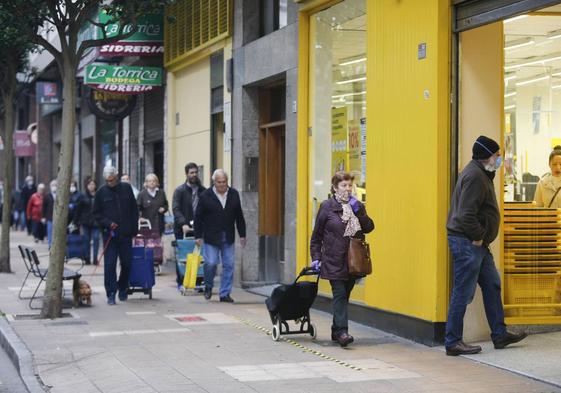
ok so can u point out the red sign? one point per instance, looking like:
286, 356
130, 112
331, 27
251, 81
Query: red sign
23, 147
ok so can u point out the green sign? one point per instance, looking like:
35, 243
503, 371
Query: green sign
150, 28
122, 75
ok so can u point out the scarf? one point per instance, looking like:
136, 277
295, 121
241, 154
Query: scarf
152, 193
348, 217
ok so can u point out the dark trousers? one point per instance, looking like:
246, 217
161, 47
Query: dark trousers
29, 224
473, 265
341, 290
90, 233
38, 229
119, 247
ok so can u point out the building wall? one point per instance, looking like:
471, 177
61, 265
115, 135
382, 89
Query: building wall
188, 138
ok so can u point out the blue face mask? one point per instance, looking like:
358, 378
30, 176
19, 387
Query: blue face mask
498, 162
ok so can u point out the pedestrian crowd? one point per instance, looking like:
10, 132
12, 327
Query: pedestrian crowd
212, 216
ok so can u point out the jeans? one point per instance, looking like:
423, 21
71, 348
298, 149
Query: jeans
120, 247
212, 256
49, 232
473, 265
90, 233
341, 290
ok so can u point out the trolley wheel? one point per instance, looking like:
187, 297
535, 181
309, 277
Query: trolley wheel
275, 335
312, 330
150, 294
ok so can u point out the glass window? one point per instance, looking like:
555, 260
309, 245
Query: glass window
337, 107
532, 99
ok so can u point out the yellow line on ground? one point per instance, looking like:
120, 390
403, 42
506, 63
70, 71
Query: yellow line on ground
300, 346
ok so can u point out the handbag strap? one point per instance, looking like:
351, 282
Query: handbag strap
553, 198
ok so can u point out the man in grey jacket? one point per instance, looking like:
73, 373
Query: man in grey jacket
473, 224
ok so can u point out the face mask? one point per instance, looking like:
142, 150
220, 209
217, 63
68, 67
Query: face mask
72, 189
29, 183
53, 189
493, 166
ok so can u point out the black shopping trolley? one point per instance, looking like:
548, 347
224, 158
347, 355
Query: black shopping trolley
292, 302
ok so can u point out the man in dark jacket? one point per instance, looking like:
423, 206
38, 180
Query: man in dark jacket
27, 189
48, 209
218, 211
184, 204
473, 224
116, 212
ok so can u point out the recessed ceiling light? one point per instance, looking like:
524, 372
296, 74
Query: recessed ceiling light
546, 59
554, 35
515, 18
362, 78
533, 80
519, 43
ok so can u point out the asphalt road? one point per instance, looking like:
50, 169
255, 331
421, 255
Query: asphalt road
10, 381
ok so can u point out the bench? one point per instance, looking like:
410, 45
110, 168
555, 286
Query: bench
41, 273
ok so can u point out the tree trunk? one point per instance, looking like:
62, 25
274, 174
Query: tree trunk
52, 302
8, 174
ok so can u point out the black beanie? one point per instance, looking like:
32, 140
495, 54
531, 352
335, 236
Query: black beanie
484, 148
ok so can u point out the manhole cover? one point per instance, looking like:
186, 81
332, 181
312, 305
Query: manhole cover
190, 318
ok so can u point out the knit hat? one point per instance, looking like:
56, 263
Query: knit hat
484, 148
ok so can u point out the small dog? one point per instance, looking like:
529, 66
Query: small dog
82, 293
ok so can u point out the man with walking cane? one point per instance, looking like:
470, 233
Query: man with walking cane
116, 212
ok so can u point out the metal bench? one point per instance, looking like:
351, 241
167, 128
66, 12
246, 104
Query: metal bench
41, 273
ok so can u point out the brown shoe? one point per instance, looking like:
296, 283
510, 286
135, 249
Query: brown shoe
344, 339
509, 338
461, 348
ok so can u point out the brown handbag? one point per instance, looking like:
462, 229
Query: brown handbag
358, 258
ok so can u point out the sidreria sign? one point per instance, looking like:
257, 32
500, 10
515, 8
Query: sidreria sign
110, 106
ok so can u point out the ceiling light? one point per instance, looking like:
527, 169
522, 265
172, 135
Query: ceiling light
510, 94
534, 80
510, 77
556, 87
362, 78
349, 62
554, 35
509, 107
515, 18
348, 94
519, 43
546, 59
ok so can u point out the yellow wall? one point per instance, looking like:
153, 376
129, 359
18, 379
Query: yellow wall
408, 156
189, 95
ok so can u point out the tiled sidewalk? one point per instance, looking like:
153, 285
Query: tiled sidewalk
177, 343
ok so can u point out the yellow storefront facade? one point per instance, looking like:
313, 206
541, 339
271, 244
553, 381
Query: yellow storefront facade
197, 44
396, 92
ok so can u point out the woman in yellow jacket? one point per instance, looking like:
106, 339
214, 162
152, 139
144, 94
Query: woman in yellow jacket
548, 192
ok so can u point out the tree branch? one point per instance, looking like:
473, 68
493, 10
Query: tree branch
86, 44
40, 40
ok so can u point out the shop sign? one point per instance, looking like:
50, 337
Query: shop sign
23, 147
363, 149
354, 147
110, 106
97, 74
338, 139
124, 89
48, 93
146, 41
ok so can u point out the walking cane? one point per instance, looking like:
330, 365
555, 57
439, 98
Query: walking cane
111, 235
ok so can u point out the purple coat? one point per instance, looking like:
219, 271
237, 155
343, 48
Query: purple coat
328, 244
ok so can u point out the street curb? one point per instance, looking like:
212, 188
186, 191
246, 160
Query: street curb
21, 357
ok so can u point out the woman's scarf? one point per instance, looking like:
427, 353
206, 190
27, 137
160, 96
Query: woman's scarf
153, 192
353, 225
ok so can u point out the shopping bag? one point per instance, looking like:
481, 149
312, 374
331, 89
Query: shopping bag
191, 268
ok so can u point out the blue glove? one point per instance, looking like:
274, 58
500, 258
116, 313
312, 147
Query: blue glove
316, 265
354, 204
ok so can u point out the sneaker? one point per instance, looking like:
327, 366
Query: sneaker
461, 348
227, 299
208, 293
509, 338
123, 296
111, 300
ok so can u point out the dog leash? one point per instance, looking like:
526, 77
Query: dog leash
105, 246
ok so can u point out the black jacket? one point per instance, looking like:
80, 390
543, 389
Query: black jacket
474, 212
211, 218
73, 202
182, 206
26, 193
116, 205
84, 210
48, 207
328, 244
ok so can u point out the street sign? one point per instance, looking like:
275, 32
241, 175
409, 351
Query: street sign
97, 74
23, 147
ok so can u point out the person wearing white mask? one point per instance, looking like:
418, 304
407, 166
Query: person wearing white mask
473, 224
27, 189
48, 208
73, 202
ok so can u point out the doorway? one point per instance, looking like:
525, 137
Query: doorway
271, 182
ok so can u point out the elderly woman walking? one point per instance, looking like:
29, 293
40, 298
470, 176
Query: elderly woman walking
339, 219
152, 203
